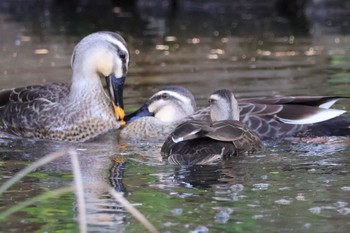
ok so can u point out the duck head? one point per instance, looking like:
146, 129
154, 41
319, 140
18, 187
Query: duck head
101, 55
170, 104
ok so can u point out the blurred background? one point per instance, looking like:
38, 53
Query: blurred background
254, 47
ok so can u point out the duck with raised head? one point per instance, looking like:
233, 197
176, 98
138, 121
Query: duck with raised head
282, 116
166, 109
204, 141
78, 111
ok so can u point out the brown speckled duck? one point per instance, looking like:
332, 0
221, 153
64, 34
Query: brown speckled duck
78, 111
204, 141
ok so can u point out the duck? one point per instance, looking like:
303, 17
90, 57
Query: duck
164, 110
278, 117
275, 117
202, 142
78, 111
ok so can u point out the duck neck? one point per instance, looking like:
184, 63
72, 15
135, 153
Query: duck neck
86, 87
235, 110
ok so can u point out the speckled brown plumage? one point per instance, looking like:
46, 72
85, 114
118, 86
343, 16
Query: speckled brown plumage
68, 112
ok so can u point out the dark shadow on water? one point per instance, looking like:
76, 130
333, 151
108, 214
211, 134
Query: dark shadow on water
228, 171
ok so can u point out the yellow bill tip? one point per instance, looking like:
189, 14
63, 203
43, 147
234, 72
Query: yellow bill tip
119, 112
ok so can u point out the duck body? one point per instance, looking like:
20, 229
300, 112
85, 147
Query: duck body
201, 142
71, 112
205, 141
278, 117
46, 112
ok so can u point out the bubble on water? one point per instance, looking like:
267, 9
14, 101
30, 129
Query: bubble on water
237, 188
344, 211
257, 216
340, 204
169, 224
260, 186
221, 199
283, 202
315, 210
300, 197
177, 211
222, 217
264, 177
345, 188
307, 225
237, 197
200, 229
284, 188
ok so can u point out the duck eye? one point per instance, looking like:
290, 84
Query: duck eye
165, 96
210, 101
122, 54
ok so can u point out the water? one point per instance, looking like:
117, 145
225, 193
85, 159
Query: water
250, 48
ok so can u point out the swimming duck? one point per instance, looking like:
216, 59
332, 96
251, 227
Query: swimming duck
270, 117
281, 116
159, 115
78, 111
204, 141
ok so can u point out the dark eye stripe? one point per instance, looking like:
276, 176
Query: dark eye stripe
123, 55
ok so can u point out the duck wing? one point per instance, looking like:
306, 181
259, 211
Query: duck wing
20, 107
190, 130
315, 101
236, 132
272, 120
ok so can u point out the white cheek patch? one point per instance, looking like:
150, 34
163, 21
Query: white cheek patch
167, 114
119, 65
103, 61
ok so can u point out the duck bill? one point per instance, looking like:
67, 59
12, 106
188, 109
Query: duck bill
141, 112
115, 89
